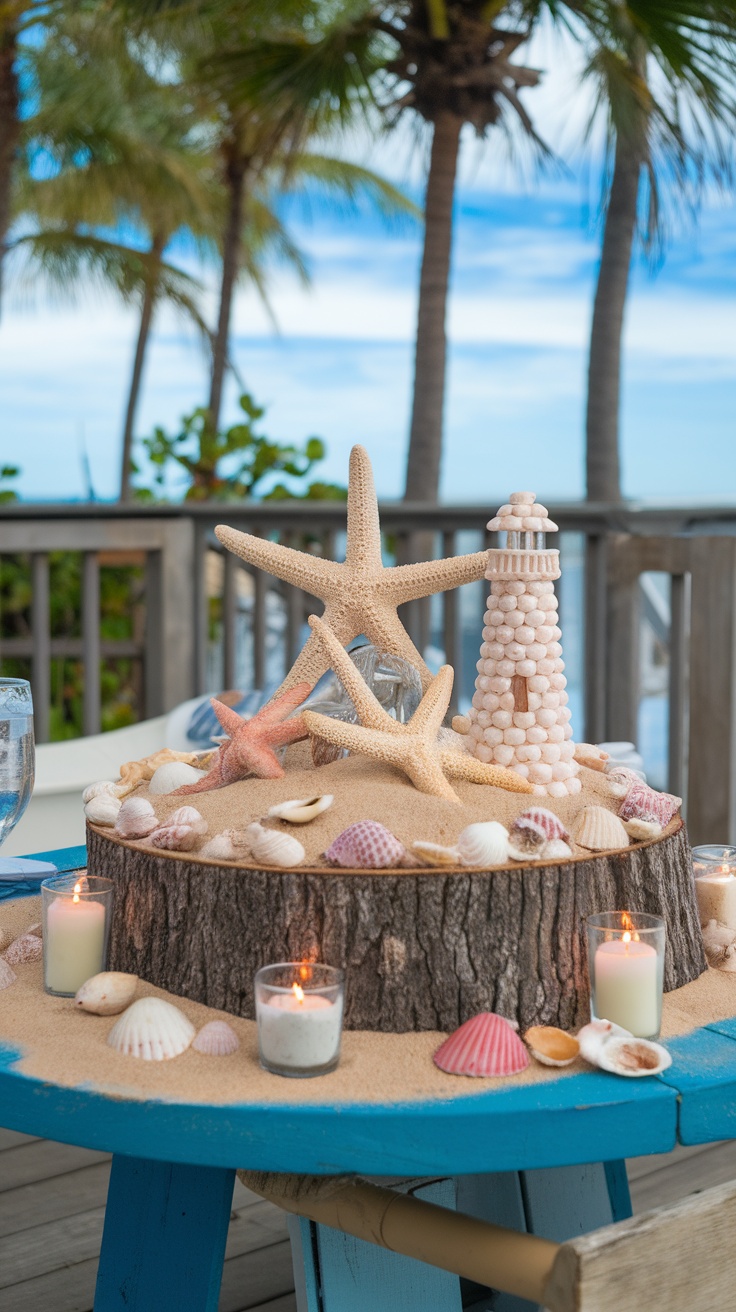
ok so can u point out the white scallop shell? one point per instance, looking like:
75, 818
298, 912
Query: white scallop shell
104, 786
102, 809
633, 1057
108, 993
299, 812
216, 1039
28, 947
484, 844
151, 1029
600, 830
136, 818
172, 775
274, 848
593, 1036
221, 848
7, 976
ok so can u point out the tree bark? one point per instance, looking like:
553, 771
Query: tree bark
144, 330
421, 951
235, 174
603, 476
9, 129
425, 439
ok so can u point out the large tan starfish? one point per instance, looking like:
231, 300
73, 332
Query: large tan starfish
361, 595
413, 746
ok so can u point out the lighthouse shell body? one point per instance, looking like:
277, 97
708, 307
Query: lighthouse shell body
520, 717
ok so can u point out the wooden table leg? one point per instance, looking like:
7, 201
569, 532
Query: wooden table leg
163, 1244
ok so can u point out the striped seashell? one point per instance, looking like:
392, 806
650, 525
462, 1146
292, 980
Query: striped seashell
547, 821
136, 818
527, 840
188, 815
366, 845
600, 830
216, 1039
484, 1046
151, 1029
7, 976
484, 844
274, 848
644, 803
24, 949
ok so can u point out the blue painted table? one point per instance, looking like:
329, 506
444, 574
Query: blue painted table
547, 1158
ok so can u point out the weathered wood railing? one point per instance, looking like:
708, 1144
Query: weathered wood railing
185, 569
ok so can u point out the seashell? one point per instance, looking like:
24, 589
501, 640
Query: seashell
486, 1045
619, 780
216, 1039
556, 850
433, 854
221, 848
274, 848
600, 830
526, 841
6, 938
633, 1057
24, 949
105, 787
461, 724
35, 929
188, 815
102, 809
484, 844
552, 1047
720, 946
173, 774
590, 756
597, 1032
174, 838
151, 1029
644, 803
7, 976
642, 830
547, 821
106, 994
301, 811
136, 818
366, 845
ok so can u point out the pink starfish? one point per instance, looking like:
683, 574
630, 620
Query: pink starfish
250, 749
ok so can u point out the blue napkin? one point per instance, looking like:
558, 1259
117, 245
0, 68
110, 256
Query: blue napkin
26, 883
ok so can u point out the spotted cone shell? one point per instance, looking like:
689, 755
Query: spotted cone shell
644, 803
484, 1046
365, 845
539, 817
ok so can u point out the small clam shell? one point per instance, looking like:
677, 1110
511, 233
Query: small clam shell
174, 838
600, 830
642, 830
597, 1032
484, 844
216, 1039
303, 810
97, 790
552, 1047
24, 949
172, 775
221, 848
433, 854
274, 848
107, 994
7, 976
590, 756
556, 850
188, 815
720, 946
102, 809
136, 818
151, 1029
633, 1057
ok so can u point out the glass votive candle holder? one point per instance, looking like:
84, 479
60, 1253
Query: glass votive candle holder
626, 966
299, 1013
714, 867
76, 923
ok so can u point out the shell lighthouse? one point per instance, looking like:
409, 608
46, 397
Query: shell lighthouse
519, 717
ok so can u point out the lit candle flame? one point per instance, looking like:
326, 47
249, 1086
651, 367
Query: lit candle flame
626, 922
627, 937
298, 992
77, 891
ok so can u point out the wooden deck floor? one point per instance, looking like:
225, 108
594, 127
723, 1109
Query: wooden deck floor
52, 1200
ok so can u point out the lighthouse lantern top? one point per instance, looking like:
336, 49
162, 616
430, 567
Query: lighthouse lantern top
522, 514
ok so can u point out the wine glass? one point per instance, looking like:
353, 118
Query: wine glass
17, 764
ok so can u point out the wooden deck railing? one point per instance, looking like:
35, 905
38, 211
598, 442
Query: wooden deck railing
185, 569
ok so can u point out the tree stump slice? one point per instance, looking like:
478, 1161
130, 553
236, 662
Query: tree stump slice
421, 950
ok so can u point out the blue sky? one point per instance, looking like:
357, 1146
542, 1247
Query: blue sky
524, 267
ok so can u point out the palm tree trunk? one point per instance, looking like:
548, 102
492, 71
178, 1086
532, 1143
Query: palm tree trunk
144, 330
425, 440
235, 178
9, 129
603, 477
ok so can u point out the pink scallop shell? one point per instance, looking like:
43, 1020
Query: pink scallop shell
216, 1039
644, 803
485, 1045
541, 818
366, 845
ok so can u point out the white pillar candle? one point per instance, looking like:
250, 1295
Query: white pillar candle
716, 894
74, 942
299, 1031
628, 985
